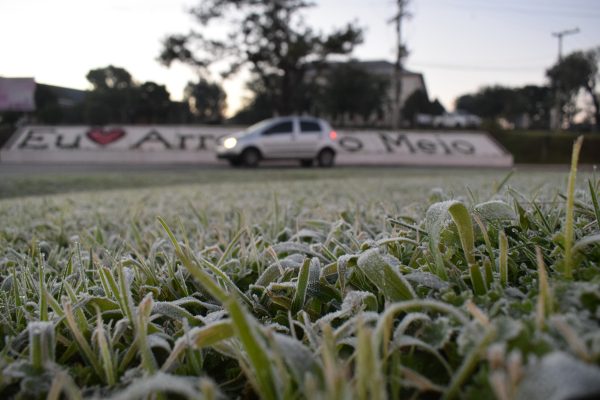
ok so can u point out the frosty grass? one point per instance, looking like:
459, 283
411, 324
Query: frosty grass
407, 285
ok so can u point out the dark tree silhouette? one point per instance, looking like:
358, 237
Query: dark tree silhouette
578, 70
206, 101
269, 36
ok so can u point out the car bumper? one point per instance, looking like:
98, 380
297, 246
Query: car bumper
227, 154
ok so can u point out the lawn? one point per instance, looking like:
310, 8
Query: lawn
343, 283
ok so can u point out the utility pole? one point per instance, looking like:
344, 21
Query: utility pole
396, 106
556, 119
560, 35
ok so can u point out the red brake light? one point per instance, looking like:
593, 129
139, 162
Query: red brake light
333, 135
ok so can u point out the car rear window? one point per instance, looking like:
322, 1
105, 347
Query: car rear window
280, 128
309, 126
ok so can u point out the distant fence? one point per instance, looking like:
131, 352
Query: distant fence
195, 144
542, 147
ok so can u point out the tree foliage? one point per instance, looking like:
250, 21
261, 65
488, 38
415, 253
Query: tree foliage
206, 101
351, 90
575, 72
492, 102
116, 98
152, 103
270, 37
418, 103
111, 99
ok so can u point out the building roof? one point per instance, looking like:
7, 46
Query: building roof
382, 65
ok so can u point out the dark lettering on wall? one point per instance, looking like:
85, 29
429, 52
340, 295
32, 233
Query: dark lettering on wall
463, 147
202, 141
74, 145
350, 144
427, 146
153, 137
447, 149
390, 143
35, 137
183, 140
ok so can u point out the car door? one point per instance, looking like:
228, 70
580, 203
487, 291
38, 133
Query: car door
277, 140
308, 137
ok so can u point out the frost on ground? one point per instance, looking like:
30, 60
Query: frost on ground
381, 287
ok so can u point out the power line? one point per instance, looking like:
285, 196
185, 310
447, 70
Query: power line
523, 10
481, 68
520, 6
542, 5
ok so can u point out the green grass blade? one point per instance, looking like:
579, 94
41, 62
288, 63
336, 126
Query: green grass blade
569, 232
199, 338
244, 326
503, 259
301, 286
82, 343
141, 324
544, 302
462, 219
105, 352
383, 275
479, 287
594, 198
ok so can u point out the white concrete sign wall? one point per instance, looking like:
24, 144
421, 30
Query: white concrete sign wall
195, 144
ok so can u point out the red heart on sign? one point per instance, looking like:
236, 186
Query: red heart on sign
104, 137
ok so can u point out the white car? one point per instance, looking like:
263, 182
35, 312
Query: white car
306, 139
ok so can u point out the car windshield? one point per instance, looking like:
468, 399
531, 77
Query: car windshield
258, 126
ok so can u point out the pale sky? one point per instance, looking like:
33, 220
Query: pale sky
458, 45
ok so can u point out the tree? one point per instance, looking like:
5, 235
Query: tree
578, 70
152, 103
257, 107
436, 107
270, 37
206, 101
110, 78
416, 103
528, 103
537, 103
350, 90
489, 102
111, 99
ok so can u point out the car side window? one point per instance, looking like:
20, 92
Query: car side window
280, 128
309, 127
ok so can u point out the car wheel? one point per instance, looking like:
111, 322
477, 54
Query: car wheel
250, 158
326, 158
306, 163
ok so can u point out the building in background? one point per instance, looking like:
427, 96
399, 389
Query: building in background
17, 94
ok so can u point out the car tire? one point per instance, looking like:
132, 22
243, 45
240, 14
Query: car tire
307, 163
250, 158
326, 158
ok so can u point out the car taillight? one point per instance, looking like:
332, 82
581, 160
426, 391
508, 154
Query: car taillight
333, 135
